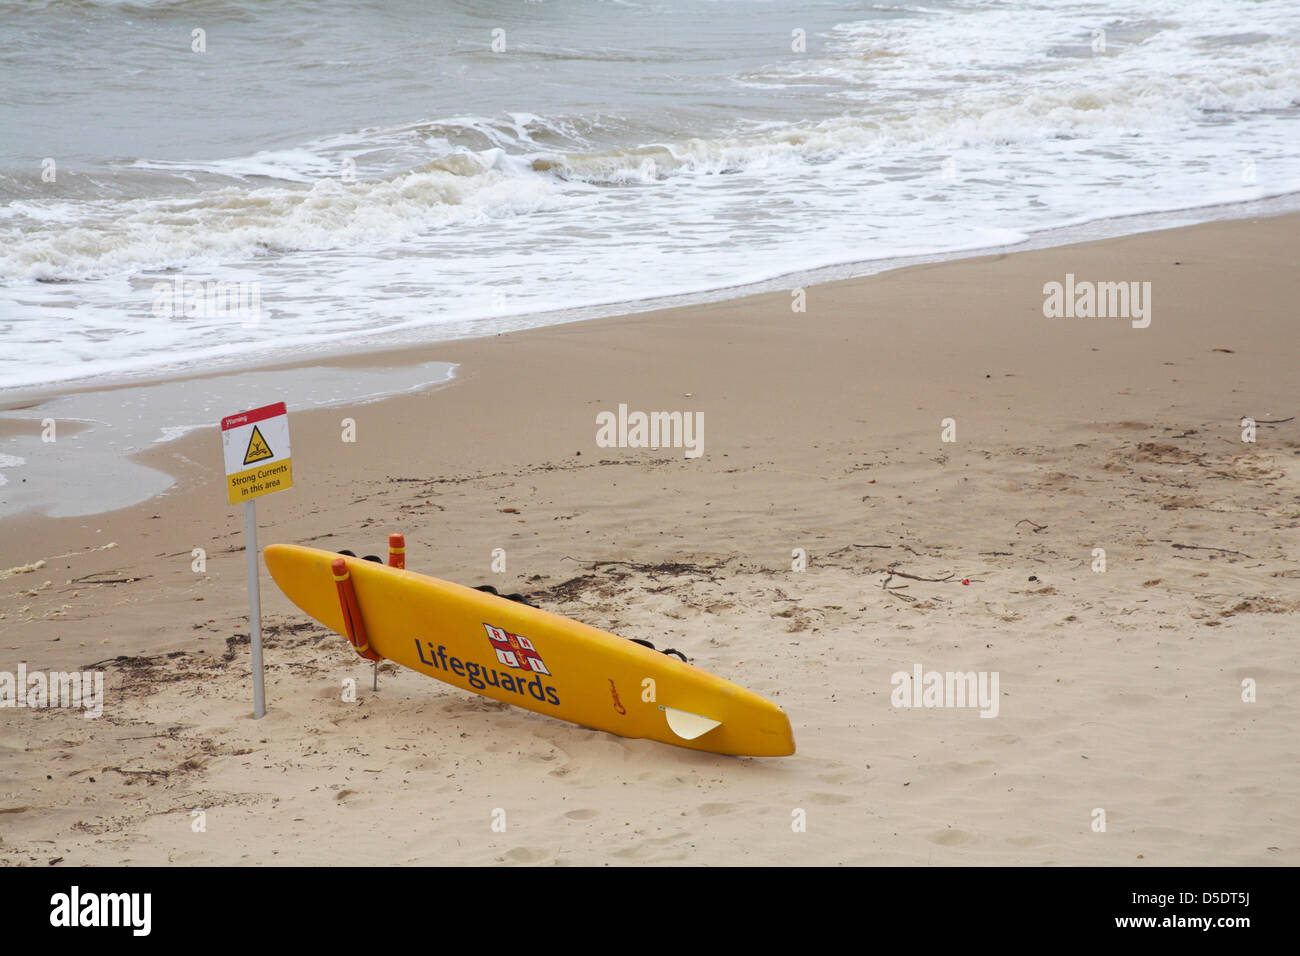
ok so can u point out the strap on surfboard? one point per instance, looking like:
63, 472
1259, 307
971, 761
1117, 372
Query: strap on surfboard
355, 626
517, 598
672, 651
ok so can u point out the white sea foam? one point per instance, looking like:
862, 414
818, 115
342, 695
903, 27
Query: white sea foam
9, 461
231, 223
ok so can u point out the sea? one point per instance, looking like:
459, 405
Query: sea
209, 185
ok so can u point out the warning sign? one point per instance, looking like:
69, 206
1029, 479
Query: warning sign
256, 446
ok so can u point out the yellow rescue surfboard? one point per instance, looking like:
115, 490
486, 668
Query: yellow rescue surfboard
532, 658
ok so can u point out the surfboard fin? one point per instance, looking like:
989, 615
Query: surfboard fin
688, 726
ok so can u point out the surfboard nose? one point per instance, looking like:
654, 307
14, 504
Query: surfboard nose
302, 578
274, 556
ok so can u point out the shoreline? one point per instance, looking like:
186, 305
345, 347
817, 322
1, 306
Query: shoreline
1120, 689
188, 459
97, 472
359, 344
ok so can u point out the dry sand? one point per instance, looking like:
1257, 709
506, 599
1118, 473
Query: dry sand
1119, 690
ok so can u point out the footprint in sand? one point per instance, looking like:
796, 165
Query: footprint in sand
957, 767
1027, 842
581, 814
839, 776
829, 799
646, 848
525, 854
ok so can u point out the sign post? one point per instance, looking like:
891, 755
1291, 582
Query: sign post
254, 607
255, 445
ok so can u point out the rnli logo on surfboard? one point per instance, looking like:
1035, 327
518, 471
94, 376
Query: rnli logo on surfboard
514, 650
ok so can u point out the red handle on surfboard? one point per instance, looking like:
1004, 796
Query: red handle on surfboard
397, 551
355, 627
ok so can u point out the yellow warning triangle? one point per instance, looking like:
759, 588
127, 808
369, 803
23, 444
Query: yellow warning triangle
258, 450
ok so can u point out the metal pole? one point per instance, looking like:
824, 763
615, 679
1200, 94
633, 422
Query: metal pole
254, 607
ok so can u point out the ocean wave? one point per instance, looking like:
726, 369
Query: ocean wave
517, 170
1115, 107
92, 240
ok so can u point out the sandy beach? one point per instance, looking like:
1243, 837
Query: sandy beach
1120, 690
